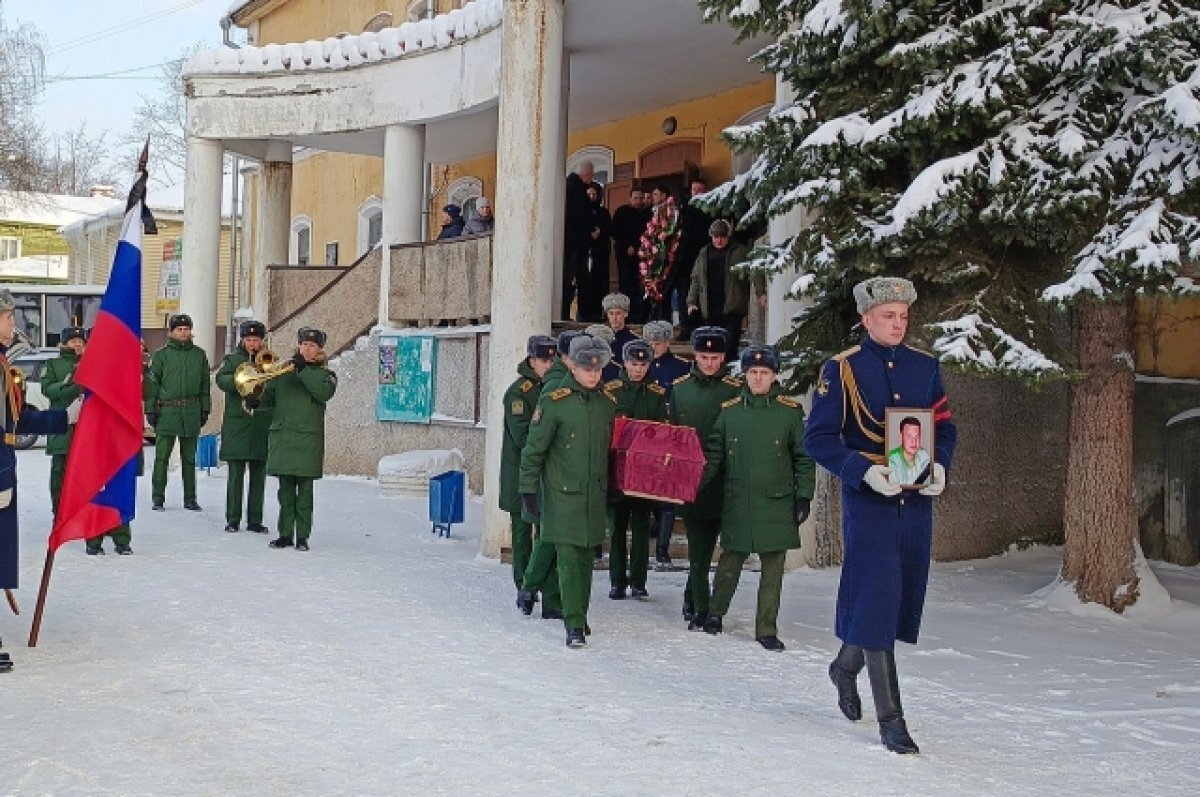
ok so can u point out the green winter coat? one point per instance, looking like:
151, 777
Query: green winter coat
758, 442
645, 400
565, 461
557, 373
520, 400
178, 389
296, 446
243, 436
60, 389
696, 401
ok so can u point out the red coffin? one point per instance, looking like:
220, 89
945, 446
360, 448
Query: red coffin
655, 460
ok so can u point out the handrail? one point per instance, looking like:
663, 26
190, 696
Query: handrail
305, 305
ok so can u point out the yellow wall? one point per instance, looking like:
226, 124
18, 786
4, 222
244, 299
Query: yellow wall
329, 188
301, 20
36, 239
1166, 337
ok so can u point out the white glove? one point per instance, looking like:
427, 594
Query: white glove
937, 481
73, 410
878, 479
5, 498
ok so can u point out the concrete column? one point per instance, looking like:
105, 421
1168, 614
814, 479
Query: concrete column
559, 158
202, 240
529, 173
275, 219
780, 309
403, 181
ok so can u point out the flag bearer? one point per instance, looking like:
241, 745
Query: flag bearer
244, 435
177, 406
296, 446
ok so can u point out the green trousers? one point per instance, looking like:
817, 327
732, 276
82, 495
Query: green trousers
702, 535
163, 445
121, 535
522, 545
58, 471
541, 574
295, 506
575, 564
770, 584
235, 487
637, 516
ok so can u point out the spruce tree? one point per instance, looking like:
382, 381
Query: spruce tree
1030, 164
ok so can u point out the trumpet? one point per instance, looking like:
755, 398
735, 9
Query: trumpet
251, 377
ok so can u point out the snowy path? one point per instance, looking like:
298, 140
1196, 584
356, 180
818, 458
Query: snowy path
387, 661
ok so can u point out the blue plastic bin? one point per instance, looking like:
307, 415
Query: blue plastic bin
206, 452
446, 503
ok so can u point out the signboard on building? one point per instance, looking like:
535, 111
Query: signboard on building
170, 278
406, 372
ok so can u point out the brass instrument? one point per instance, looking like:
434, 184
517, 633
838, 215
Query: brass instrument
251, 377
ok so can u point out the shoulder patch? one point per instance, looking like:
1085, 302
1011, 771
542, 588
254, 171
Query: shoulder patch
526, 386
847, 353
788, 401
612, 384
561, 393
655, 387
733, 380
727, 404
518, 407
681, 379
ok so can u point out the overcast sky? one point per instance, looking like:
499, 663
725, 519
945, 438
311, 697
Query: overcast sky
86, 38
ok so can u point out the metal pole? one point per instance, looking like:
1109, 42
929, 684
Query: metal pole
231, 272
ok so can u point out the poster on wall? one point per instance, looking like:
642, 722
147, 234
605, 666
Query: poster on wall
406, 371
170, 278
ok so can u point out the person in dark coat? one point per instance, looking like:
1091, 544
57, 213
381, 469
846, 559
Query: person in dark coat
600, 251
577, 241
452, 222
177, 403
694, 223
14, 411
718, 291
244, 430
888, 531
628, 223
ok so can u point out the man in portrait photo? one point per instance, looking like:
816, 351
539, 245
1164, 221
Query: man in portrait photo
908, 461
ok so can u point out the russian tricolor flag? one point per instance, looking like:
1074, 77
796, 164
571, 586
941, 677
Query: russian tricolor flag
100, 485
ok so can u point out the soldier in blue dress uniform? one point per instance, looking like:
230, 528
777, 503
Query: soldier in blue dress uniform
15, 412
666, 366
616, 313
888, 531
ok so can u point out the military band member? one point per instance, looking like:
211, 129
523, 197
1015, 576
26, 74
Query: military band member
757, 446
59, 388
520, 400
15, 412
696, 401
641, 398
888, 532
177, 405
564, 475
666, 366
616, 313
244, 431
296, 444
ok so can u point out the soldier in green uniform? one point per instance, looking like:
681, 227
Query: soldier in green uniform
642, 398
696, 401
757, 443
177, 406
520, 400
59, 387
296, 445
244, 434
565, 467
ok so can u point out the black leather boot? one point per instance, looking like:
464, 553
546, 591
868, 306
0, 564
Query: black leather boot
885, 688
843, 671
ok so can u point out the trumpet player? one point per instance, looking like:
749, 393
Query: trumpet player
296, 445
244, 430
177, 404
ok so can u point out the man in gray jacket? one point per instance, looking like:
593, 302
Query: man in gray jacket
718, 292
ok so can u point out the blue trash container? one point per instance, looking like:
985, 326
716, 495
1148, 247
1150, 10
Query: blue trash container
206, 452
446, 500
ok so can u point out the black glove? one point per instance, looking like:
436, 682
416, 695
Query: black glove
251, 403
203, 417
802, 508
529, 503
299, 362
152, 418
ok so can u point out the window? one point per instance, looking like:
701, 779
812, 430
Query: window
300, 241
464, 192
370, 225
601, 158
10, 248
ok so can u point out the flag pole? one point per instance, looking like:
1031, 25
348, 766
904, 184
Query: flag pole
12, 601
41, 599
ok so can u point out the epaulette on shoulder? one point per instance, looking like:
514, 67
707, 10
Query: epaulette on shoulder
610, 395
788, 401
921, 351
527, 385
655, 387
733, 380
681, 379
727, 404
847, 353
561, 393
612, 384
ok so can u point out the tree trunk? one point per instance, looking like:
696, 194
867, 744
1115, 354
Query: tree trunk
1099, 521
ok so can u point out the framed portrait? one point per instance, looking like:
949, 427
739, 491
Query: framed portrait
908, 442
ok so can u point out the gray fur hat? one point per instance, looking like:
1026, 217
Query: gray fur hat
7, 302
602, 331
881, 290
637, 351
615, 301
541, 347
590, 353
657, 331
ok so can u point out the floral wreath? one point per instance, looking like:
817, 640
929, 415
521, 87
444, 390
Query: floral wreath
656, 249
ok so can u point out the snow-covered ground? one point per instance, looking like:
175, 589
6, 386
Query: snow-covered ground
389, 661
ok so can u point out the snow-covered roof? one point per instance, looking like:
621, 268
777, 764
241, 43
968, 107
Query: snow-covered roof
388, 44
165, 203
51, 210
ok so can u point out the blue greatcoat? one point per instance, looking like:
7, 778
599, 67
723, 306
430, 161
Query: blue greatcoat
888, 541
16, 412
